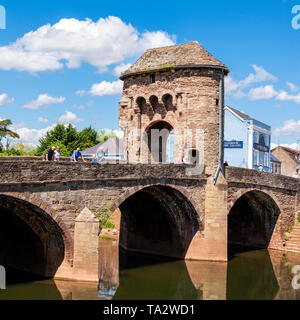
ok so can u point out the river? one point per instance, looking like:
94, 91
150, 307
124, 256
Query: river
253, 274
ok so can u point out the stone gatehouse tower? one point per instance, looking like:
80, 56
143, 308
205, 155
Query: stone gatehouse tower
180, 89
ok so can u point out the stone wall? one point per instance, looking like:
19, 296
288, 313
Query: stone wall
193, 103
15, 171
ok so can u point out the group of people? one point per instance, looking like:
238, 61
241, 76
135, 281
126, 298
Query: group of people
54, 154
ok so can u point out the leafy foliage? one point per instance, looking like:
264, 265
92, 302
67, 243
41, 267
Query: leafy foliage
18, 150
68, 139
103, 135
5, 131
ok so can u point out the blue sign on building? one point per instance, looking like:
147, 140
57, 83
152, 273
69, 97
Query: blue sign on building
233, 144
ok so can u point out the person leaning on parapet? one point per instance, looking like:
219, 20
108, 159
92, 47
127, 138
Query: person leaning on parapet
49, 155
99, 157
226, 164
57, 154
76, 155
261, 168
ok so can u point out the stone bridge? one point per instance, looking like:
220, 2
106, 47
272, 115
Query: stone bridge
49, 223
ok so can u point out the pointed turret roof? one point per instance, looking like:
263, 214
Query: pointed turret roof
190, 54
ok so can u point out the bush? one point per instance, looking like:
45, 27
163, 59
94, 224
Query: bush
290, 229
108, 225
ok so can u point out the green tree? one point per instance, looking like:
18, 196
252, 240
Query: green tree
19, 149
6, 133
104, 135
68, 139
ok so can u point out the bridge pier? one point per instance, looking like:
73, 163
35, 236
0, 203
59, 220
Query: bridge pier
213, 244
86, 249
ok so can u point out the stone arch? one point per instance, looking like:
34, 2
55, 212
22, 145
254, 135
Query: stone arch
241, 192
45, 207
154, 102
32, 235
253, 219
141, 104
169, 102
152, 123
173, 222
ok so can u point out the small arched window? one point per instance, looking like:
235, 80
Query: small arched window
262, 140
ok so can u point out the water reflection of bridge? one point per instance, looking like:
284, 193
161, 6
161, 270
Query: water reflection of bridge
261, 275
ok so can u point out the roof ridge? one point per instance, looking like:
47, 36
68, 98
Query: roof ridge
189, 54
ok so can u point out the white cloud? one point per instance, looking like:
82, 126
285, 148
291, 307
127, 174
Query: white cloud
69, 117
4, 99
291, 145
71, 42
43, 100
260, 75
104, 88
81, 107
290, 128
292, 87
43, 120
263, 92
285, 96
31, 136
121, 68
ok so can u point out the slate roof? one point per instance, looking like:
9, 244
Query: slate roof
111, 147
182, 55
239, 113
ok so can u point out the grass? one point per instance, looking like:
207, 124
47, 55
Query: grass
290, 229
109, 225
298, 216
286, 239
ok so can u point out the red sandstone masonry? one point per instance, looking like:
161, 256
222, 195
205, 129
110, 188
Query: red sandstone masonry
105, 187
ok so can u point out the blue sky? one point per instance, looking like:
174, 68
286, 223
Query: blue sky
56, 66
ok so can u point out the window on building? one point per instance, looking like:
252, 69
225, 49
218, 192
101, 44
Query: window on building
262, 140
267, 138
256, 158
194, 156
266, 160
256, 137
152, 78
